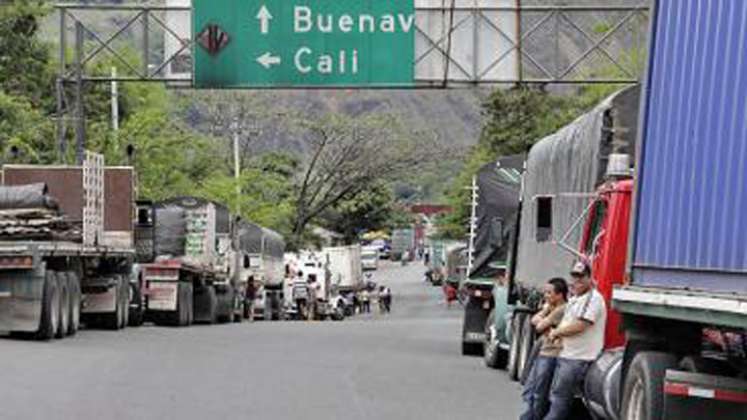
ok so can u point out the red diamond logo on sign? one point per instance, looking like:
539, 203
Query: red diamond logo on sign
213, 39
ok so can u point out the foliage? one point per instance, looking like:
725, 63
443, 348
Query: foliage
349, 156
266, 191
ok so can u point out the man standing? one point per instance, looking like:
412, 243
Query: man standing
582, 335
539, 379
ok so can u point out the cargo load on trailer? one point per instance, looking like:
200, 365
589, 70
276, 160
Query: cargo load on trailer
495, 203
67, 248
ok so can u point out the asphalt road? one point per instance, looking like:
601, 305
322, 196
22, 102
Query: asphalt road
405, 365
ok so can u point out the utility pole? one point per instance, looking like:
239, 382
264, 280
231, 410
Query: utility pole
236, 161
472, 225
80, 123
115, 102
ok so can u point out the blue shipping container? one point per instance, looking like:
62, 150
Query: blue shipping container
691, 217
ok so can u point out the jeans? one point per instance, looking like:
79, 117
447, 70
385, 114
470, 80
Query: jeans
569, 376
537, 388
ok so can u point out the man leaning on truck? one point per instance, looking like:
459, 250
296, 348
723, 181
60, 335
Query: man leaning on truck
582, 334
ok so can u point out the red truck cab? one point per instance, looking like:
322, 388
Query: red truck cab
605, 242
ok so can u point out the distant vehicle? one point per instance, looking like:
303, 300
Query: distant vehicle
403, 242
345, 267
370, 258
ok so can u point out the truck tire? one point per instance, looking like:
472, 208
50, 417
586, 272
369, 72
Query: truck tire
494, 356
124, 290
226, 306
517, 321
74, 286
643, 395
525, 348
114, 320
64, 317
212, 305
189, 302
182, 306
50, 308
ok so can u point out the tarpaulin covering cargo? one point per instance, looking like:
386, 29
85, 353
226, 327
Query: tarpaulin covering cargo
254, 239
570, 162
26, 197
498, 185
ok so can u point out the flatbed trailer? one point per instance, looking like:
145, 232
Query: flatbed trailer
48, 287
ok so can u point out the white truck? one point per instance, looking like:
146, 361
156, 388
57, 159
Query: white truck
370, 257
345, 267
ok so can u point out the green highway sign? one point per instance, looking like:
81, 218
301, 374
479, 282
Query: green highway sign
303, 43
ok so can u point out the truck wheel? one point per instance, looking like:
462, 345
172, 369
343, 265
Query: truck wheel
74, 287
495, 357
643, 396
114, 320
180, 315
64, 317
212, 305
525, 348
50, 308
124, 289
190, 304
517, 322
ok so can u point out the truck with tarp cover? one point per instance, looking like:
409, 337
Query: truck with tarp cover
495, 198
403, 244
192, 271
263, 249
562, 173
66, 248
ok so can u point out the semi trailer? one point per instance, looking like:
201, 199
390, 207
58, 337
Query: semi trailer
66, 247
264, 250
193, 272
495, 198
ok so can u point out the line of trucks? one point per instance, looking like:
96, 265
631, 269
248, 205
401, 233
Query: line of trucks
649, 187
77, 247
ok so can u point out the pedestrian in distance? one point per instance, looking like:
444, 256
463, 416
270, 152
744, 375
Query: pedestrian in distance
538, 381
385, 299
366, 301
582, 338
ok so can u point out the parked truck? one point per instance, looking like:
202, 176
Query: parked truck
560, 176
681, 265
264, 250
66, 247
193, 272
495, 198
345, 267
403, 244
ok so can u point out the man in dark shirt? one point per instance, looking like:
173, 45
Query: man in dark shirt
251, 294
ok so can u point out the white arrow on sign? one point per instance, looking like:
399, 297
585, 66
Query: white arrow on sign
264, 17
267, 60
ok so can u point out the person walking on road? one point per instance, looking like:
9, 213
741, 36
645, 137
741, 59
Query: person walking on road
385, 299
251, 295
582, 336
539, 379
365, 301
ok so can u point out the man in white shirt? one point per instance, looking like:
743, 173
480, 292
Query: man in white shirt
582, 335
